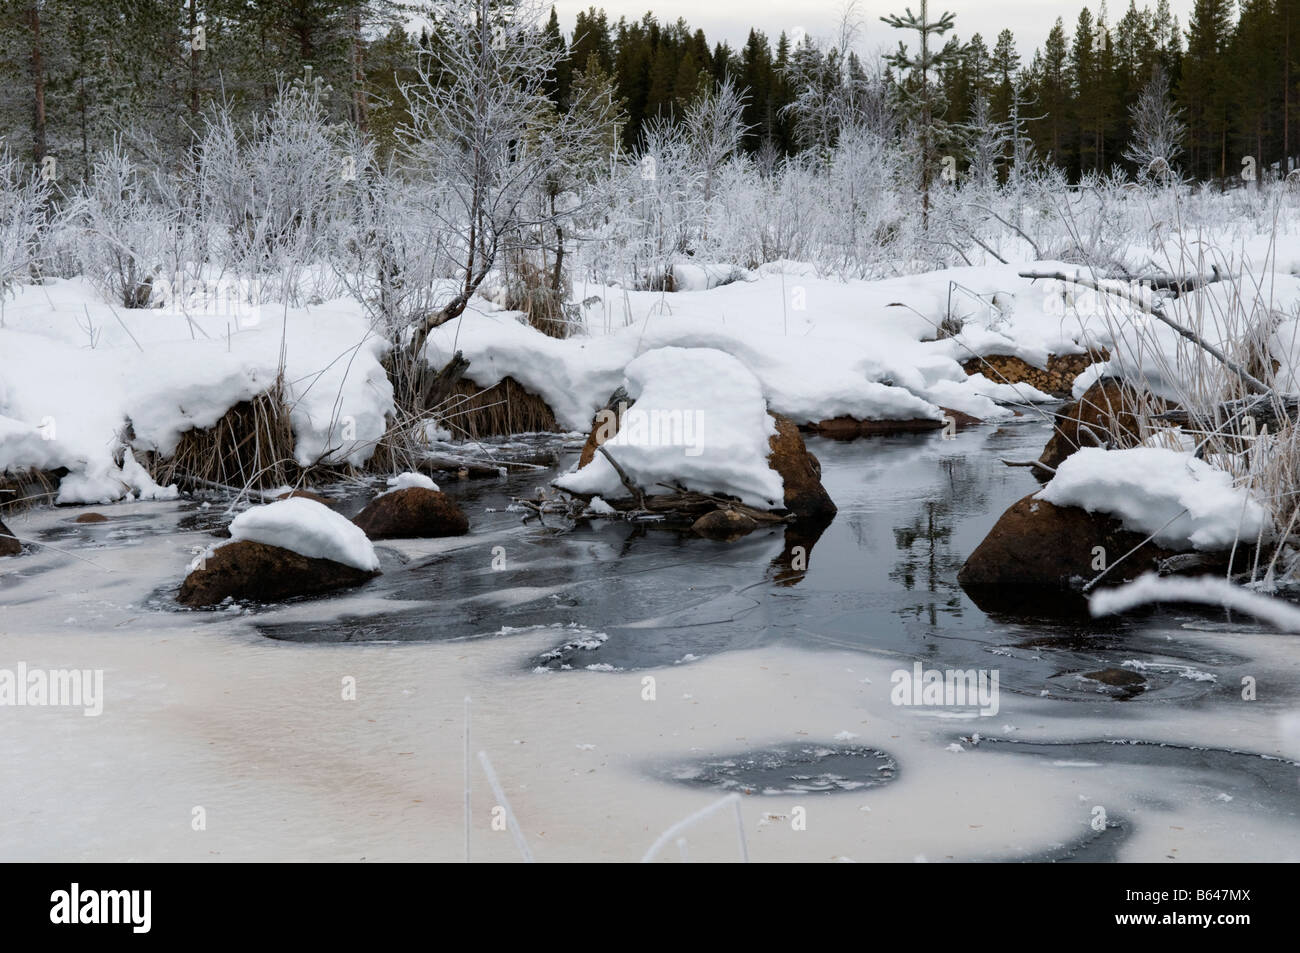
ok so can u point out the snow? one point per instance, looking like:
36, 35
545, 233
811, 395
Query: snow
699, 420
1181, 501
409, 481
819, 348
74, 370
308, 528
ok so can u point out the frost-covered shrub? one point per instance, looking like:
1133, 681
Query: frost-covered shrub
24, 216
120, 228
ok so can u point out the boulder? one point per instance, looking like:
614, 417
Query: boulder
1036, 545
9, 545
724, 524
414, 513
801, 472
1105, 413
248, 570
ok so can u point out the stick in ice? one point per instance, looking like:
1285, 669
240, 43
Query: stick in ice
1208, 590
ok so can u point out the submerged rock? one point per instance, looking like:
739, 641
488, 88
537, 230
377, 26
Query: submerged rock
9, 545
801, 472
414, 513
850, 428
723, 524
257, 571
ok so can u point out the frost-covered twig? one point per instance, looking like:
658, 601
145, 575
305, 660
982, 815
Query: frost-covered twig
1208, 590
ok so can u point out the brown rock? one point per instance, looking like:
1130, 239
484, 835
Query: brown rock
850, 428
1104, 413
724, 524
248, 570
9, 545
1116, 677
805, 496
91, 518
1038, 545
1056, 379
413, 513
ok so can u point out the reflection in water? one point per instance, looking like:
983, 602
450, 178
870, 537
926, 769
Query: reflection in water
792, 565
925, 544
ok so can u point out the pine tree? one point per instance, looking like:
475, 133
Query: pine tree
1203, 87
921, 91
1005, 64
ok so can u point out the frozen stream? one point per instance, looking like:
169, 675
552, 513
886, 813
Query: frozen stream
766, 680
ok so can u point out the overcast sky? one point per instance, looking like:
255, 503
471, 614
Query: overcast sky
730, 20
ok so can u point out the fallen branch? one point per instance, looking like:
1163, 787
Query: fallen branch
622, 475
1030, 463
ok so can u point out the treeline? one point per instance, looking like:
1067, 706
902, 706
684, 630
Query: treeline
74, 73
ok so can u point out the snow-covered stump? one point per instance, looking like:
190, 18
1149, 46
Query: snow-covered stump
695, 436
290, 548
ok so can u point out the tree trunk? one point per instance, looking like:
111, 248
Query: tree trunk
194, 66
360, 116
38, 84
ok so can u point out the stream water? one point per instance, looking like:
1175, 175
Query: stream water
622, 676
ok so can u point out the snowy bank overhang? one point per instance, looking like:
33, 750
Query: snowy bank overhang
1180, 501
699, 421
165, 374
309, 529
806, 379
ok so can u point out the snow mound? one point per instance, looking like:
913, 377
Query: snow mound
409, 481
1180, 500
309, 529
699, 420
75, 371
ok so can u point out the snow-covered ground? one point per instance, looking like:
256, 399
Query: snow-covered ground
75, 369
205, 715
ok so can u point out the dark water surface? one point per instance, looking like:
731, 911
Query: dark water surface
880, 578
